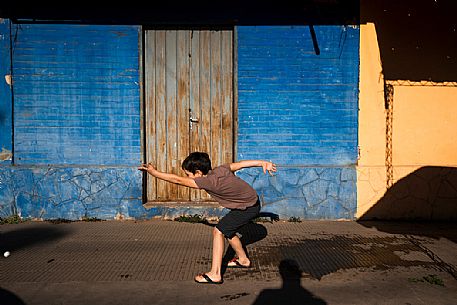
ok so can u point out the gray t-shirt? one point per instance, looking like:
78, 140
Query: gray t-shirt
229, 190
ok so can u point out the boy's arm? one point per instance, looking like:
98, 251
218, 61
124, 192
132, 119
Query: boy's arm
185, 181
266, 166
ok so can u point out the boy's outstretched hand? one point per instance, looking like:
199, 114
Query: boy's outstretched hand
147, 168
186, 181
268, 166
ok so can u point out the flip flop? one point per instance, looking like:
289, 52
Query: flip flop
236, 264
208, 280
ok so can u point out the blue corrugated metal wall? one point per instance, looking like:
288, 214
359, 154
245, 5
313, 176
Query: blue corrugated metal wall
76, 122
6, 141
76, 94
77, 111
299, 109
296, 107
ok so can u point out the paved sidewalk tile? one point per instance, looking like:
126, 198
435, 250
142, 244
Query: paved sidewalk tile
330, 258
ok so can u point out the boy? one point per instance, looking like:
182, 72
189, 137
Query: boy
231, 192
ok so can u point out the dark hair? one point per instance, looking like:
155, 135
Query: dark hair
197, 161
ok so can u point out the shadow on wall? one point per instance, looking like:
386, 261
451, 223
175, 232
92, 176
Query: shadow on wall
195, 12
429, 193
417, 38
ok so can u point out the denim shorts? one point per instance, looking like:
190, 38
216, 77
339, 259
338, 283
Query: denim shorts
235, 219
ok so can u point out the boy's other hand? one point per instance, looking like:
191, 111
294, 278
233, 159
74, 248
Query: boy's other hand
269, 166
147, 168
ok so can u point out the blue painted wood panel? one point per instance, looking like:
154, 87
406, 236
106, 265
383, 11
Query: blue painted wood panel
77, 94
6, 126
296, 107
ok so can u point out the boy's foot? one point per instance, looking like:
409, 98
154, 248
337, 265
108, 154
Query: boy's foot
205, 279
236, 263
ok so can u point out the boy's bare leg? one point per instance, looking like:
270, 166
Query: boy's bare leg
237, 246
216, 264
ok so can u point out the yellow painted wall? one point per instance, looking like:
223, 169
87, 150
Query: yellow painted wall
425, 126
424, 144
371, 172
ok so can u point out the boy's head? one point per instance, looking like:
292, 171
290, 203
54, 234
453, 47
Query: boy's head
197, 161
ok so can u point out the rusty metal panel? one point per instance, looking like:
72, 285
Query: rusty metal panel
161, 119
203, 141
227, 97
150, 107
188, 76
216, 111
182, 105
171, 110
205, 93
195, 98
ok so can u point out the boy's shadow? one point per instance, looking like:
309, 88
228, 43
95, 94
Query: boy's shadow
249, 234
10, 298
291, 291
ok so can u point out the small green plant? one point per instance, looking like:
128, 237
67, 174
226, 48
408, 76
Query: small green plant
58, 221
13, 219
431, 279
90, 219
262, 219
196, 218
294, 219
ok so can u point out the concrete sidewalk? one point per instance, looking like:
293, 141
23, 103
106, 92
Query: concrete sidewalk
154, 262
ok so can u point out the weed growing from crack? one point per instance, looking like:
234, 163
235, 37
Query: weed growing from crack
294, 219
196, 218
59, 221
262, 219
13, 219
90, 219
431, 279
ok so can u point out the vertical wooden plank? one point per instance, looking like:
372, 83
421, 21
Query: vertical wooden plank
161, 112
205, 92
150, 116
235, 92
205, 98
216, 98
185, 70
194, 97
172, 132
227, 97
194, 94
183, 52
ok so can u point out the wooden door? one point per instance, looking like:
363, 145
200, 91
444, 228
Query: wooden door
188, 104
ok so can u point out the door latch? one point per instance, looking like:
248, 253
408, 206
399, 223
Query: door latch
192, 120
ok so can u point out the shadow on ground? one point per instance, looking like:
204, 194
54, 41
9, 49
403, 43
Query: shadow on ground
249, 234
23, 237
323, 256
9, 298
432, 229
291, 291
